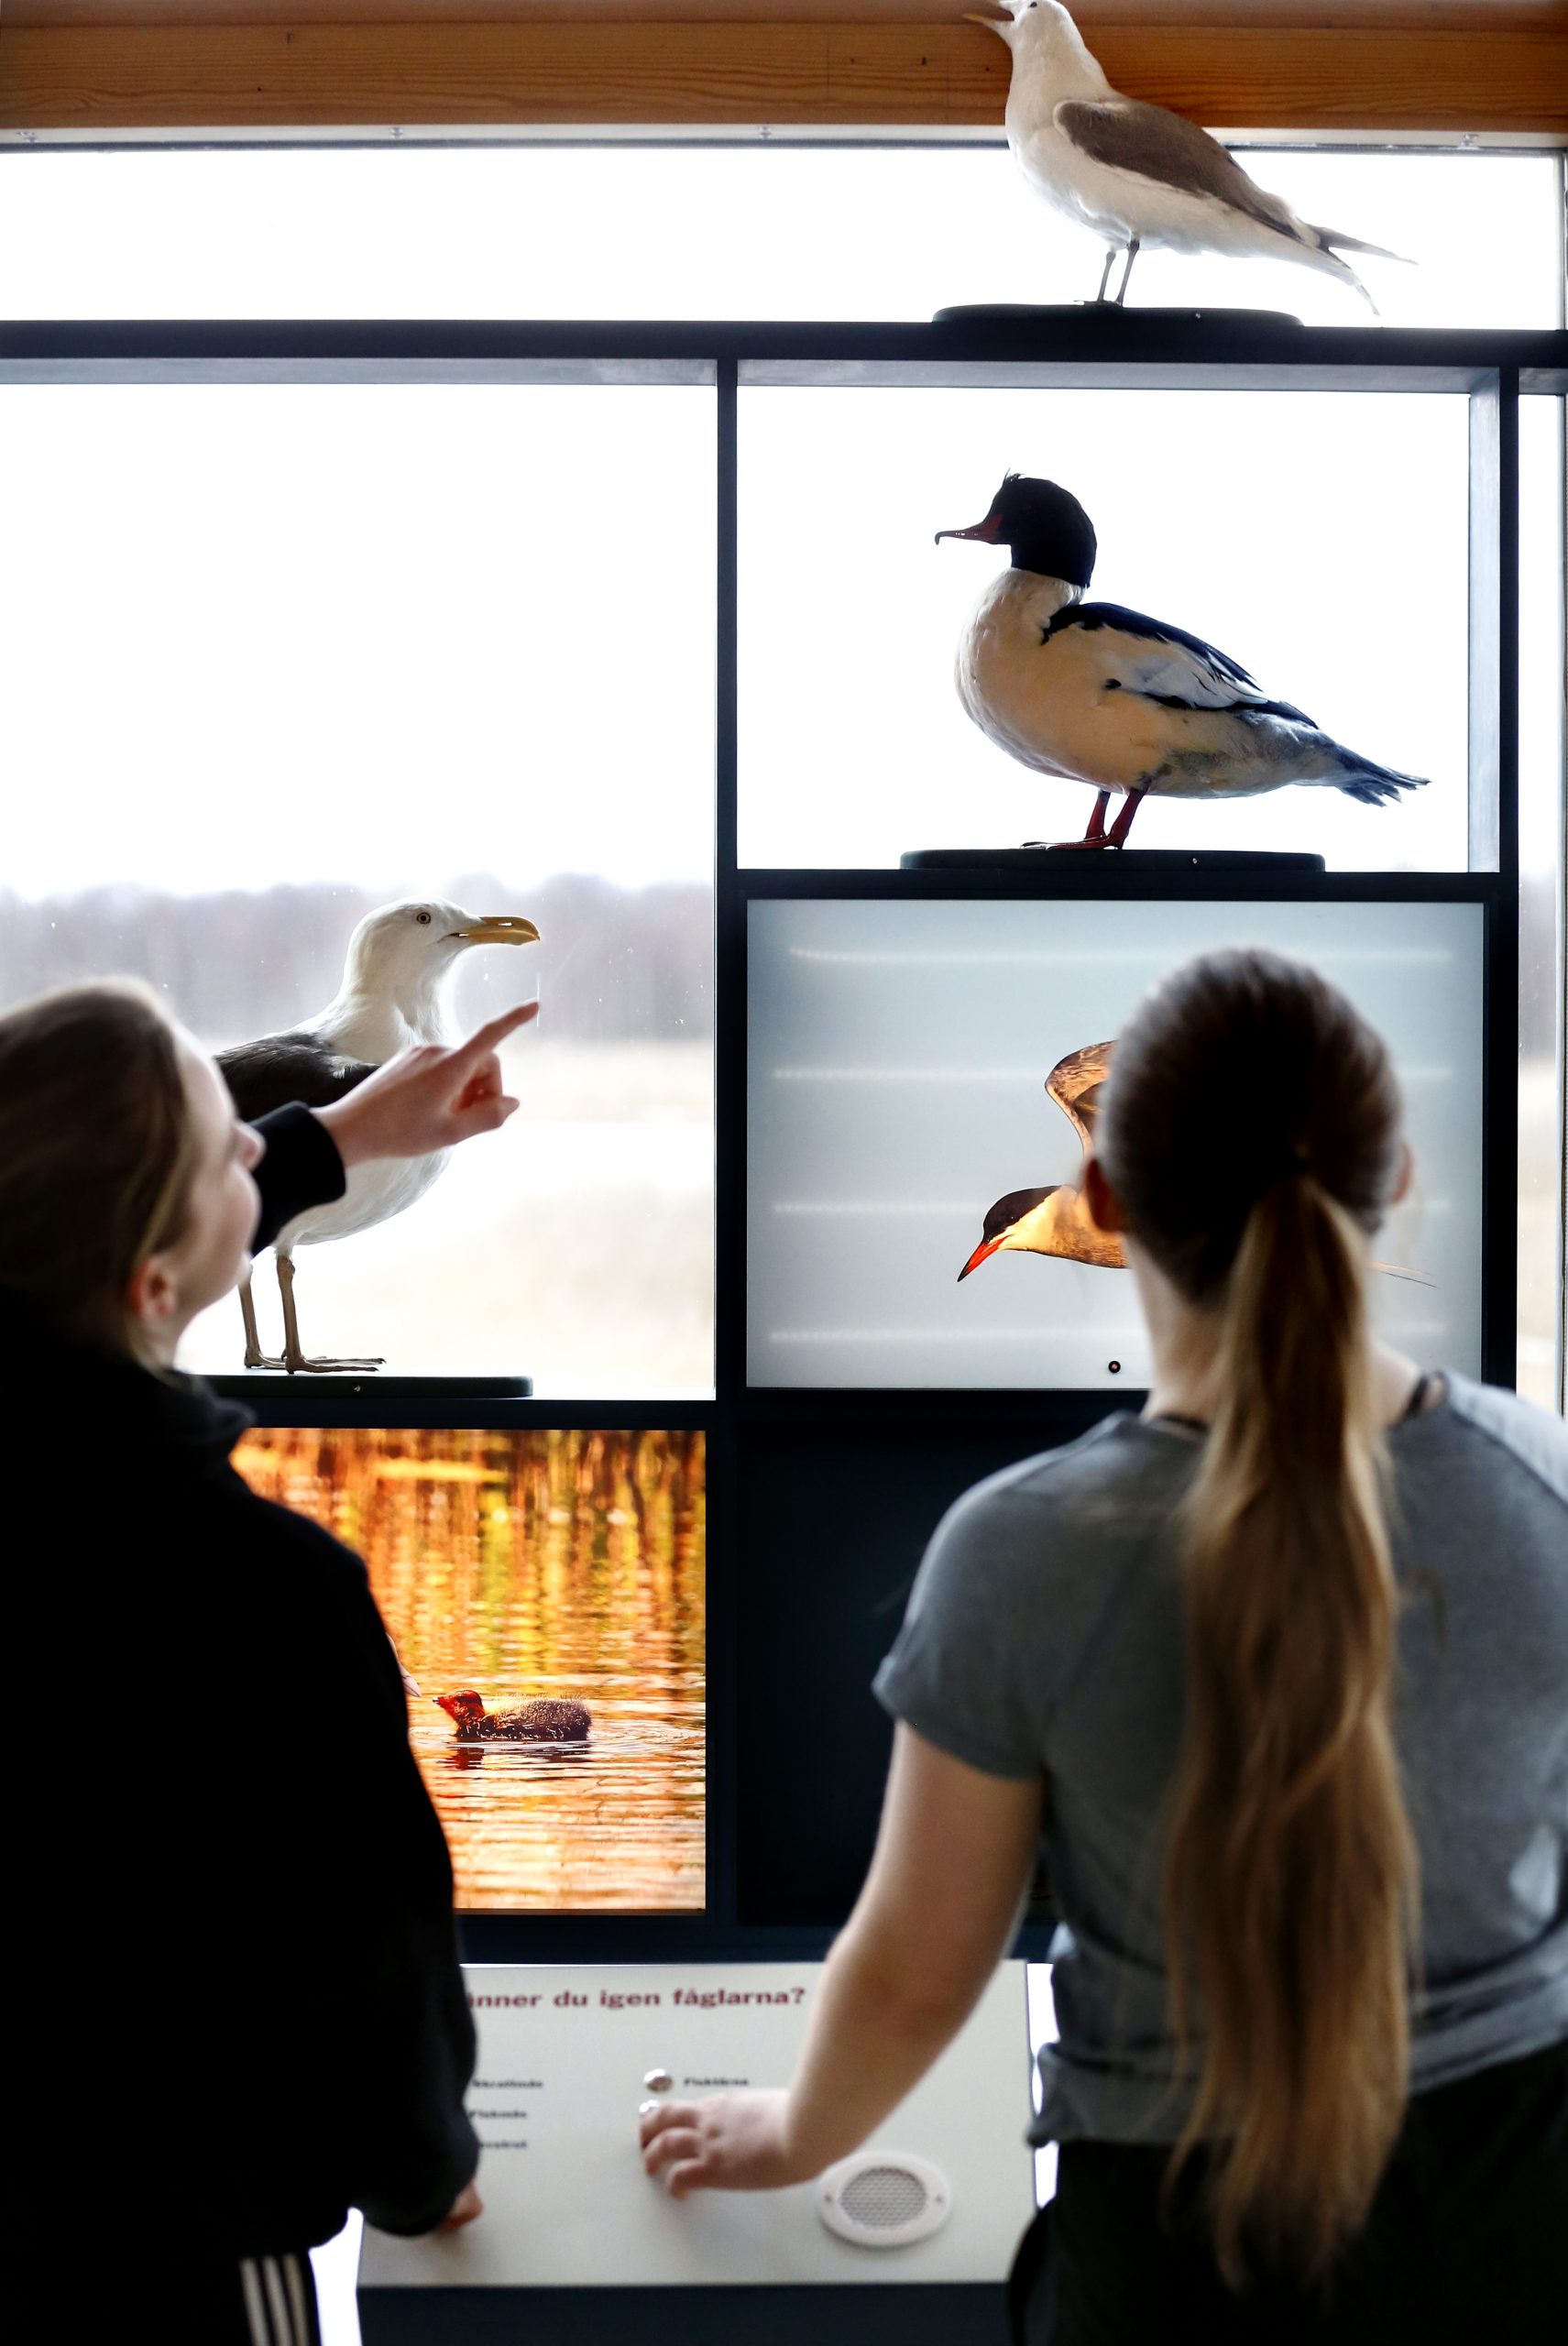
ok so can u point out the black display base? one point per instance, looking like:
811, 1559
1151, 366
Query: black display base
1110, 314
1105, 858
260, 1386
909, 2313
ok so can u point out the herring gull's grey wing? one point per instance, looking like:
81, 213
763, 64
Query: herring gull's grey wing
1159, 145
282, 1069
1075, 1083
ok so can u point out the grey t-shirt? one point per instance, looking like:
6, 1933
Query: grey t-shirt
1044, 1634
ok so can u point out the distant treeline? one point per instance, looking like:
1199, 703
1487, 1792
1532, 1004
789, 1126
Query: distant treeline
614, 964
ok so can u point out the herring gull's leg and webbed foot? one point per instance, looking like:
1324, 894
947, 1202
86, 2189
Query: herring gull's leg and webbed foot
1132, 257
254, 1355
1110, 253
294, 1359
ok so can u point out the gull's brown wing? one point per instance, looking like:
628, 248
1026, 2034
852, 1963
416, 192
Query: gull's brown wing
1074, 1084
1159, 145
281, 1069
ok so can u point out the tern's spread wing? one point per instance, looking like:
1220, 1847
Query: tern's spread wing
1158, 144
284, 1067
1074, 1083
1160, 663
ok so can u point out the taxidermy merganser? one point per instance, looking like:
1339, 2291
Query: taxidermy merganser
396, 986
1138, 174
545, 1721
1097, 694
1056, 1220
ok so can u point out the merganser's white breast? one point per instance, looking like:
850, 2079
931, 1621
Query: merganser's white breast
1005, 686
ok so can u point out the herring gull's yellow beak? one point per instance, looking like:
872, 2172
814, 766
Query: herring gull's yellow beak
499, 928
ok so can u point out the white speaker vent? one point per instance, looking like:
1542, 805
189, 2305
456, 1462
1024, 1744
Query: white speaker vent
884, 2198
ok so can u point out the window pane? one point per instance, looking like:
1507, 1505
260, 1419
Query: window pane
896, 1063
716, 232
1319, 538
1543, 792
279, 656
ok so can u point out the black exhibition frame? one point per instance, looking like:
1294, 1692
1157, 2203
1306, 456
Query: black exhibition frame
1086, 348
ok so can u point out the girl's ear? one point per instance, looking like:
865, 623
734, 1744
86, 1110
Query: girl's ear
1105, 1210
1407, 1175
151, 1295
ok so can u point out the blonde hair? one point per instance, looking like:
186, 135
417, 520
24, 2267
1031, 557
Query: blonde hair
97, 1153
1252, 1131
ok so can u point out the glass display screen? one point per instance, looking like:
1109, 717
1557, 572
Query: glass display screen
550, 1574
898, 1058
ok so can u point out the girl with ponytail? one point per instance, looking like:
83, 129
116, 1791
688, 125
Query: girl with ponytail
1278, 1674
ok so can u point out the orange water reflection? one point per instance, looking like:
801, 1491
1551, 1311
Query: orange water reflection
532, 1563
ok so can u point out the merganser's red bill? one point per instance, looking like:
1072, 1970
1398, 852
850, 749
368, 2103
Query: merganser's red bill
989, 530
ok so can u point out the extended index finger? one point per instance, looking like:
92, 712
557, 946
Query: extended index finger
485, 1038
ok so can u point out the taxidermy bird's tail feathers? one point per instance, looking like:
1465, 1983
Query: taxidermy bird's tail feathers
1355, 245
1375, 785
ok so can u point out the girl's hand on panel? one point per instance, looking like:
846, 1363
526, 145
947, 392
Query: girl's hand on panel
728, 2141
429, 1097
462, 2211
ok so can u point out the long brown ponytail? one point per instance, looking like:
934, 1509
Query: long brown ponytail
1252, 1131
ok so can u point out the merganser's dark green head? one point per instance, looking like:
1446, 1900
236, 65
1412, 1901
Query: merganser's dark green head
1044, 527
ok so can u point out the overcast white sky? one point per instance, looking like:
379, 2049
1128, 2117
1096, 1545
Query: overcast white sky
384, 636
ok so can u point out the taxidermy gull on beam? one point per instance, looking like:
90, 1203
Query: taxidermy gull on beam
1095, 693
396, 981
1137, 174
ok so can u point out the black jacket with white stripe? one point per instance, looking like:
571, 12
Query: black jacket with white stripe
248, 2014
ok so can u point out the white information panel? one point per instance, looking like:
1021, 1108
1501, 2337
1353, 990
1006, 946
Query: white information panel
564, 2053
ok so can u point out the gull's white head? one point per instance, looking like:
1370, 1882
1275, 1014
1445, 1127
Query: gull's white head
402, 954
1041, 11
1037, 29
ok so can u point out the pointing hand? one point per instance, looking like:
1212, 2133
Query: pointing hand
429, 1097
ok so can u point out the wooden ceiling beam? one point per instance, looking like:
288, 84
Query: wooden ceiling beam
884, 73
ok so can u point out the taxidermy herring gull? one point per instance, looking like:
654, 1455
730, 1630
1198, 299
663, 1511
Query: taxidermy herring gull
1137, 174
396, 983
1096, 692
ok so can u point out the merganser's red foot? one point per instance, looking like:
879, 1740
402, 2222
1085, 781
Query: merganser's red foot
1097, 835
1091, 838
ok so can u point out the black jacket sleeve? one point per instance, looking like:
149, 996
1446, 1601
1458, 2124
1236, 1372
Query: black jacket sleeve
302, 1167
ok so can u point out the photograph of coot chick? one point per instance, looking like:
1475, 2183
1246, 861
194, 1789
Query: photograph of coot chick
540, 1721
545, 1591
